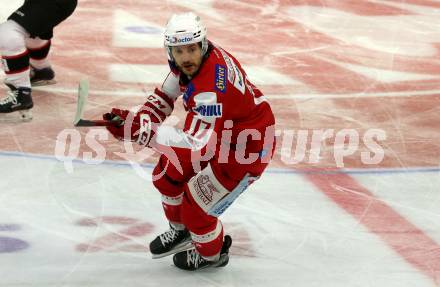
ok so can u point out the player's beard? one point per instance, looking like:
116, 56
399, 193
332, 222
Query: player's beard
189, 68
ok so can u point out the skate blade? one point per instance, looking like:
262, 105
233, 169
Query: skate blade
43, 83
16, 117
179, 248
222, 262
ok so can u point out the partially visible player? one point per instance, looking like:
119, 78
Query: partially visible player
227, 142
25, 40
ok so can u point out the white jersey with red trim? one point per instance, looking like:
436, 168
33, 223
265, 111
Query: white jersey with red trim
219, 97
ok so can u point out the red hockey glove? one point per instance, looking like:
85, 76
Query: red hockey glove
141, 127
129, 128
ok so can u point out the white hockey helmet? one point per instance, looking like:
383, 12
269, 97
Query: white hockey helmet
184, 29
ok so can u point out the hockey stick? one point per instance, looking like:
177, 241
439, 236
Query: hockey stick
83, 92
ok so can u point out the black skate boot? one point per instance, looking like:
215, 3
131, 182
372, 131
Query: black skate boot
170, 242
18, 100
191, 260
42, 77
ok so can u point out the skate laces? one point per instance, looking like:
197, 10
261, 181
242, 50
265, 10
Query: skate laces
169, 236
193, 258
10, 98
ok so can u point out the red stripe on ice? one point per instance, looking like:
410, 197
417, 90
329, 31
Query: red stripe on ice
402, 236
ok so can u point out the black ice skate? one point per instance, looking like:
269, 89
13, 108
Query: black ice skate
18, 100
191, 260
42, 77
170, 242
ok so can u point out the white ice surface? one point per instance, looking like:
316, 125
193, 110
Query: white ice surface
285, 232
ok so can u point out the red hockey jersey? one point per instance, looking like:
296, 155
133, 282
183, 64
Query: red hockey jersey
224, 108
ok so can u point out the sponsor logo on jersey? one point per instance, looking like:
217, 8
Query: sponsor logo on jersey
228, 61
209, 110
220, 78
240, 78
205, 189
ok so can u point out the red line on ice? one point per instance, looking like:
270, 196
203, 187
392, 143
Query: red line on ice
402, 236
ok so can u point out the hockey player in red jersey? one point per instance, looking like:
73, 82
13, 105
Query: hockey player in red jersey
226, 143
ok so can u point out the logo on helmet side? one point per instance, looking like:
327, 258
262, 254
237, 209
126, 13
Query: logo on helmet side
175, 40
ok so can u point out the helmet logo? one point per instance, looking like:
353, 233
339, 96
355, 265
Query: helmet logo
175, 40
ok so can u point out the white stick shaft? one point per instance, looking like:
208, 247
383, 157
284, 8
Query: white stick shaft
83, 92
